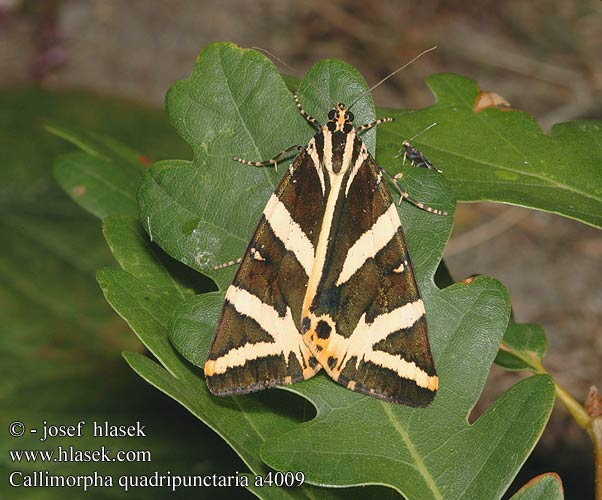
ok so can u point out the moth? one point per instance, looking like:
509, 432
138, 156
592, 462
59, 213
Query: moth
326, 280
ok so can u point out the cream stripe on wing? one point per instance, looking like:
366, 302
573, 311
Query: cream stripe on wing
241, 355
287, 338
360, 345
348, 153
359, 161
370, 243
289, 232
366, 335
313, 153
405, 369
385, 324
327, 154
322, 245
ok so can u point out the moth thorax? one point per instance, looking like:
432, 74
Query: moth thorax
338, 150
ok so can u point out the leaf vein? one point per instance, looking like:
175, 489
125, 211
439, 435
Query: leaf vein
420, 465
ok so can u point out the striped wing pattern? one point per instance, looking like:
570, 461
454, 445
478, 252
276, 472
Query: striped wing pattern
326, 282
258, 343
366, 322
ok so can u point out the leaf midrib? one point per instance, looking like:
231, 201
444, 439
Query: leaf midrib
420, 465
102, 180
547, 182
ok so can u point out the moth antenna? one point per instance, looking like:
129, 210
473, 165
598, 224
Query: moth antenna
391, 75
422, 131
315, 87
402, 151
274, 56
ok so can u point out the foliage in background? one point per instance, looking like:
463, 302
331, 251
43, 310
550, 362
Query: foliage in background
502, 155
61, 341
213, 136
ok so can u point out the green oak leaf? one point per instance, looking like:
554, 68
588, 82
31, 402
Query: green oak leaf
500, 154
523, 347
146, 291
203, 213
100, 186
104, 176
60, 341
146, 296
252, 115
543, 487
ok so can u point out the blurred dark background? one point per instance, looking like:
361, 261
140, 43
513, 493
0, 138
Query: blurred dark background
543, 56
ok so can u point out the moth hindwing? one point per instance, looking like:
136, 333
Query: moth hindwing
326, 281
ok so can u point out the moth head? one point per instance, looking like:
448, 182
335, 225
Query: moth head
339, 117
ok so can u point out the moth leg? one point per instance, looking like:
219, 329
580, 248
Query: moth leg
304, 114
368, 126
273, 161
227, 264
416, 157
404, 195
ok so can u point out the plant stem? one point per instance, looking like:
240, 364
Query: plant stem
572, 405
588, 418
575, 409
596, 435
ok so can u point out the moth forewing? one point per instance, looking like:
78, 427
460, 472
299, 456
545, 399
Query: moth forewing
257, 343
363, 317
